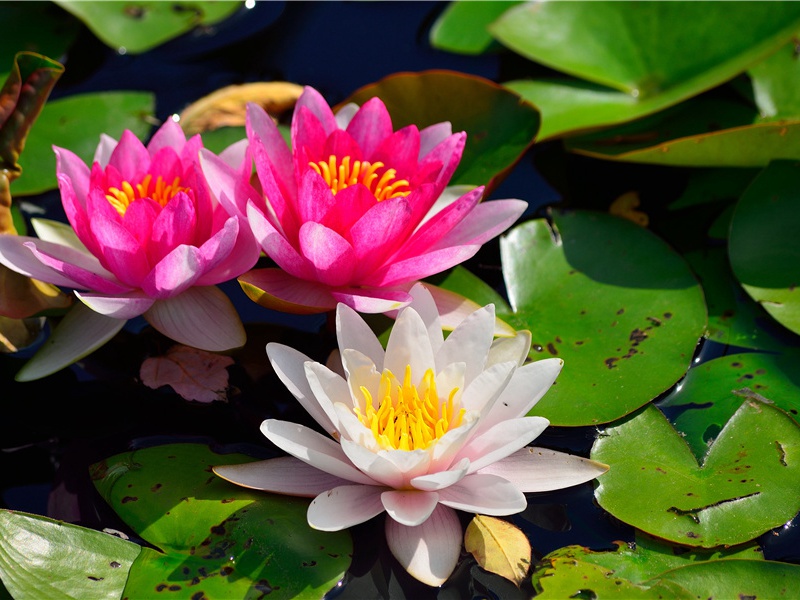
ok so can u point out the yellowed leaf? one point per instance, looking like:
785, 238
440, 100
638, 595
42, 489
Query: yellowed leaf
625, 206
22, 297
499, 547
16, 334
226, 106
192, 373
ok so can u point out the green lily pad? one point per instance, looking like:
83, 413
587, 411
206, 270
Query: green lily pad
733, 317
623, 571
746, 485
610, 298
775, 84
216, 538
37, 27
75, 123
736, 578
462, 26
648, 48
499, 127
144, 24
711, 393
706, 186
763, 247
44, 558
703, 132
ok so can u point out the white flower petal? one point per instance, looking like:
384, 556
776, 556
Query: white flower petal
485, 389
450, 378
361, 372
540, 470
345, 506
312, 448
289, 367
502, 440
426, 308
484, 494
469, 343
328, 388
527, 386
284, 475
451, 443
409, 507
373, 464
430, 551
118, 306
510, 348
410, 463
203, 317
353, 332
442, 479
352, 429
58, 233
409, 345
80, 332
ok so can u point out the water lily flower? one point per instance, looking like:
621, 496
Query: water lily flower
425, 427
146, 238
355, 212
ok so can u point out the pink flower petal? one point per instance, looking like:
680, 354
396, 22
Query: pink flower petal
173, 274
448, 154
369, 301
175, 225
121, 306
312, 448
540, 470
138, 220
351, 204
345, 506
379, 233
202, 317
225, 262
130, 157
432, 136
169, 135
121, 252
313, 101
284, 475
330, 254
430, 551
409, 507
102, 153
399, 151
486, 221
262, 131
370, 125
419, 267
308, 138
71, 167
277, 246
484, 494
276, 289
314, 198
289, 367
341, 144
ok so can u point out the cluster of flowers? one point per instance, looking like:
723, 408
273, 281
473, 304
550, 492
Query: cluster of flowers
354, 214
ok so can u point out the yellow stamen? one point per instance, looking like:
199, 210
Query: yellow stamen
339, 176
162, 192
409, 417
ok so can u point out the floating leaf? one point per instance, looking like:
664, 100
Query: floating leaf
704, 132
763, 246
216, 538
226, 107
44, 558
746, 484
194, 374
707, 186
499, 127
462, 26
623, 572
735, 578
499, 547
775, 84
144, 24
75, 123
614, 301
711, 393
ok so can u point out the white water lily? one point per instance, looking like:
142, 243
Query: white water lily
425, 427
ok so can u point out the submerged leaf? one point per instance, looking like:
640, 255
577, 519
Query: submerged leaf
192, 373
499, 547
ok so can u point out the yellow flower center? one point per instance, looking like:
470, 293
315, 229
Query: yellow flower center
409, 417
161, 192
339, 176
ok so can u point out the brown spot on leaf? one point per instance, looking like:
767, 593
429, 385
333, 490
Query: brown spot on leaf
551, 348
127, 499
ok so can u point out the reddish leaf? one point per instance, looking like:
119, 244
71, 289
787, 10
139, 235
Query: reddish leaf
192, 373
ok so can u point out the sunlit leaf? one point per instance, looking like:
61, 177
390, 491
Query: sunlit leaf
462, 27
44, 558
736, 578
143, 24
215, 537
611, 299
499, 547
746, 484
711, 393
194, 374
775, 84
226, 107
499, 127
763, 245
75, 123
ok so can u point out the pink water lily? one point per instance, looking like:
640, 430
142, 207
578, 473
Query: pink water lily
147, 238
355, 212
425, 427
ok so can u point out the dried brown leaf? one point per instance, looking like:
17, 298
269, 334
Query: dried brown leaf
226, 107
194, 374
